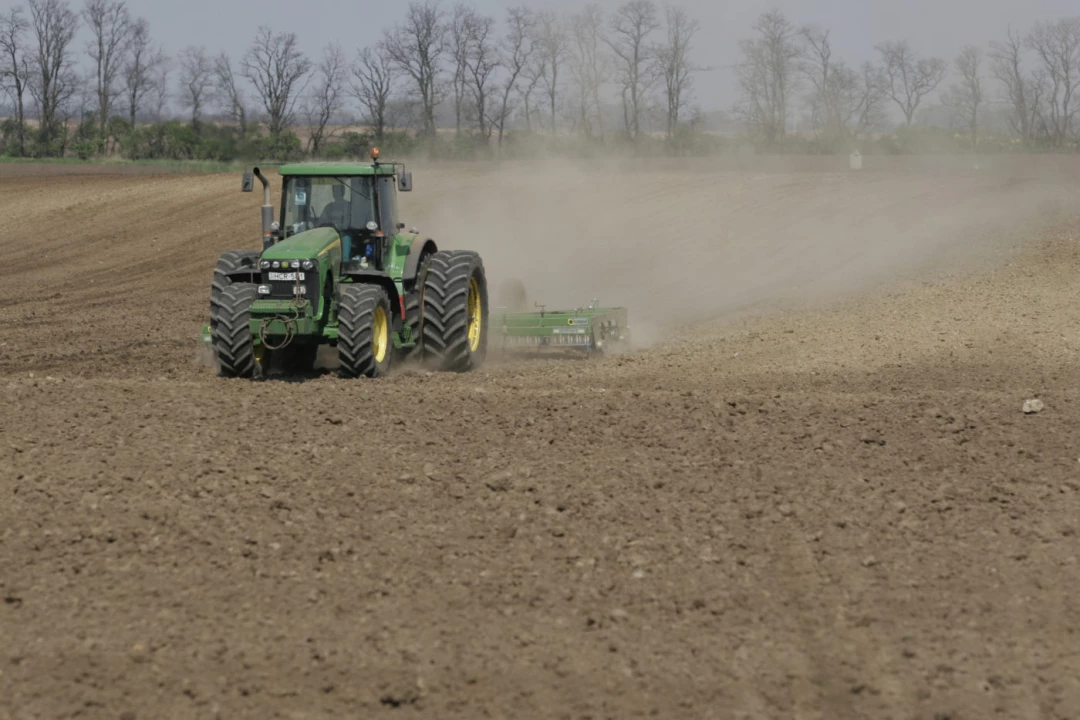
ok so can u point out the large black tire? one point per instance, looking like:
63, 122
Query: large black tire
365, 345
412, 319
231, 336
232, 263
414, 299
449, 311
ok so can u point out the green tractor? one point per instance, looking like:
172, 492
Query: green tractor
337, 268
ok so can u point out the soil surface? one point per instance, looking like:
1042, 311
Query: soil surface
814, 494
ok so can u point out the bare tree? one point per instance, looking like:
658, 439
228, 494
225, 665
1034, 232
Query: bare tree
474, 56
416, 47
159, 87
110, 28
517, 51
229, 92
533, 74
15, 70
327, 97
277, 69
552, 47
1057, 45
828, 83
867, 111
482, 60
1007, 66
766, 76
966, 97
590, 68
373, 76
458, 30
908, 77
631, 26
53, 81
196, 80
844, 103
673, 58
142, 67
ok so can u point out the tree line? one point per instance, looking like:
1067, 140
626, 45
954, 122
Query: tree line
625, 77
530, 71
1033, 78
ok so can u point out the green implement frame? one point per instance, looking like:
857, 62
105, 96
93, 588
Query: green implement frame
585, 330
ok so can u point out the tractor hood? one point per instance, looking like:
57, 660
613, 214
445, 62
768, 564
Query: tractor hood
314, 244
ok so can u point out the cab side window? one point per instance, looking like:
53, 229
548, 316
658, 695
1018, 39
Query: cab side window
363, 203
388, 205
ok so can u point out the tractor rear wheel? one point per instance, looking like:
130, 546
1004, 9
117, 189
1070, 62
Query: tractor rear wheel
231, 336
455, 311
412, 320
364, 331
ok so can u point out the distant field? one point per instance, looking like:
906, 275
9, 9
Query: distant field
22, 167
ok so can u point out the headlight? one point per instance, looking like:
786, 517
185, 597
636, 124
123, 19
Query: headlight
285, 264
372, 226
264, 289
308, 265
265, 264
275, 265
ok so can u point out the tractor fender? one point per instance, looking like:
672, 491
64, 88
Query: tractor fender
239, 266
412, 263
375, 277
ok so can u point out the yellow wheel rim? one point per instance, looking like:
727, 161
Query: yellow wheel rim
475, 315
380, 334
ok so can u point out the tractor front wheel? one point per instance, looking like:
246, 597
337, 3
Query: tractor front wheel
236, 353
364, 331
232, 263
454, 320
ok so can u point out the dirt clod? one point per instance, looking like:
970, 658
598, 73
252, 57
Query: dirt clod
1033, 406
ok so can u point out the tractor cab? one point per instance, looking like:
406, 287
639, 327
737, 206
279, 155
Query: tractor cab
357, 201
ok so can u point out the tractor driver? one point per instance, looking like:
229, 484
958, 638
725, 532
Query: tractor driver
337, 211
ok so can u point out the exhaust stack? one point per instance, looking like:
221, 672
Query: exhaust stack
267, 211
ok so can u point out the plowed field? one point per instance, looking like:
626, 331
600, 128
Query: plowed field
810, 493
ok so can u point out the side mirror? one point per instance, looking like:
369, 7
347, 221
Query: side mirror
248, 184
404, 182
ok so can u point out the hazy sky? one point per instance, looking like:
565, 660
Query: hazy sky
936, 27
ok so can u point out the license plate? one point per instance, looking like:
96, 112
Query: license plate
287, 277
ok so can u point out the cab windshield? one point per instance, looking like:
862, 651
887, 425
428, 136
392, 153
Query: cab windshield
345, 202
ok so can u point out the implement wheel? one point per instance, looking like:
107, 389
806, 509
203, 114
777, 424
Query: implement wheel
236, 353
364, 331
454, 322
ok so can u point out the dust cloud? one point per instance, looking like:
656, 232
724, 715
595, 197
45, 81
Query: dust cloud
681, 243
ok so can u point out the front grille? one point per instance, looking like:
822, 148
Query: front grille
286, 289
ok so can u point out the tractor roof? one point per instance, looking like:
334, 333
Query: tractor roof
336, 169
